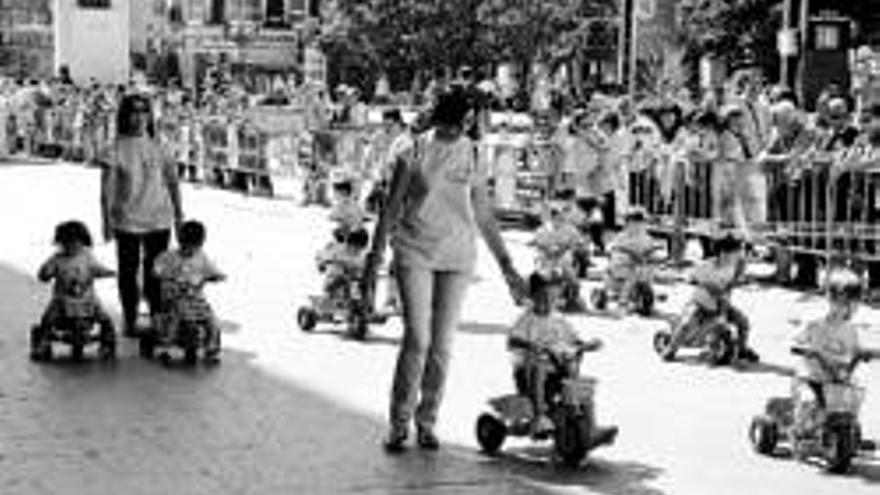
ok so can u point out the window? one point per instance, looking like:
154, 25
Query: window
275, 12
827, 37
94, 4
217, 15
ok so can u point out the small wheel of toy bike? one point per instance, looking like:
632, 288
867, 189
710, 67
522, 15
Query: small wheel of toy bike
643, 299
307, 319
599, 299
190, 355
77, 351
840, 449
107, 351
165, 358
569, 440
41, 350
764, 435
147, 346
491, 433
721, 346
662, 343
358, 326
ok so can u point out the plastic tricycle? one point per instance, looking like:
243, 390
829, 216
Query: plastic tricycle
185, 323
636, 294
345, 304
76, 331
570, 407
830, 432
710, 332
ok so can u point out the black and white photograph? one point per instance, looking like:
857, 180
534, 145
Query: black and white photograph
445, 247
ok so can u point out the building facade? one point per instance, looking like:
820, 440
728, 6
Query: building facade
93, 39
26, 38
255, 42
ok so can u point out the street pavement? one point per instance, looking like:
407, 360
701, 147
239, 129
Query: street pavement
288, 412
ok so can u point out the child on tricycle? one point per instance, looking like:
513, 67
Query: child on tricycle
707, 316
186, 320
629, 274
557, 242
821, 418
551, 398
74, 308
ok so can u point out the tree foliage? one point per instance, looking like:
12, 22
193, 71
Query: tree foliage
397, 37
736, 31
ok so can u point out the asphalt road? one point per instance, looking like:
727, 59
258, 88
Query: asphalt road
288, 412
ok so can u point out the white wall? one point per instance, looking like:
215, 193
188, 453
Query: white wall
93, 42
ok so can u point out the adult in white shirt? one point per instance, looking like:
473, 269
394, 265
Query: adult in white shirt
140, 200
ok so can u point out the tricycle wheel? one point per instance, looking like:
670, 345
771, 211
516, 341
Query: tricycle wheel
147, 346
491, 433
721, 346
599, 299
165, 358
41, 350
569, 439
662, 341
357, 326
764, 435
76, 352
307, 319
841, 448
107, 351
643, 299
190, 356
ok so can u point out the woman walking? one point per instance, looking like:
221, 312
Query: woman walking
437, 202
140, 200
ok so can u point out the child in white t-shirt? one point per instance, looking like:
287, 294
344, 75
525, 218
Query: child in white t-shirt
183, 273
73, 270
829, 347
543, 342
630, 249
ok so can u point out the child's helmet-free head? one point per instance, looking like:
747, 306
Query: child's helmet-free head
192, 234
843, 285
66, 233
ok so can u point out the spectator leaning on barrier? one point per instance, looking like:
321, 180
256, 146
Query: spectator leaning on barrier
140, 199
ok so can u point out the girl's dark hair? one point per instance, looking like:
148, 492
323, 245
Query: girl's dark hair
452, 107
359, 238
72, 231
127, 107
192, 233
539, 282
728, 243
343, 187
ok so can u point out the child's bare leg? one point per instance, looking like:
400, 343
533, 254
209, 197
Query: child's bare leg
539, 396
212, 339
680, 329
107, 329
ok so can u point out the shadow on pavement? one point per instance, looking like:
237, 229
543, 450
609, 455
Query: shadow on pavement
596, 474
240, 427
